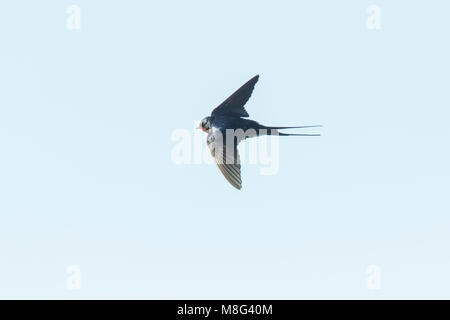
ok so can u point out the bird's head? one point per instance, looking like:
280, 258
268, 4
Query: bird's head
205, 124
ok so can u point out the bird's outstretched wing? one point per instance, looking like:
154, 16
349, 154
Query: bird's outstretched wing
226, 157
234, 104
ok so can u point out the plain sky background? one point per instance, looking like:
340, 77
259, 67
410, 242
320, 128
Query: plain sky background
86, 176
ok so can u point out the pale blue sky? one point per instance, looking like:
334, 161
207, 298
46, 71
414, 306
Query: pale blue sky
86, 176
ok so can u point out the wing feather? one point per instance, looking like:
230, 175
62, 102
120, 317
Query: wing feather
227, 158
234, 104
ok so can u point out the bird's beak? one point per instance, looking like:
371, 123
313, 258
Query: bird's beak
200, 127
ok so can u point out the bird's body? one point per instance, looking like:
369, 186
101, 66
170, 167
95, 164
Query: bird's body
226, 128
235, 123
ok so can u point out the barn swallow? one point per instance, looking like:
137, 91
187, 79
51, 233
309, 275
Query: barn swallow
229, 117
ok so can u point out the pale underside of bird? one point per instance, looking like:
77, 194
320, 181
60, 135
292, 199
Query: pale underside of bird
226, 128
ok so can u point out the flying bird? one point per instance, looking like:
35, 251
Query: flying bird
229, 117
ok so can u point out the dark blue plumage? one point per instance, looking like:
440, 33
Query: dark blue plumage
229, 117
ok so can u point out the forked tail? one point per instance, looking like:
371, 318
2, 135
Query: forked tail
291, 134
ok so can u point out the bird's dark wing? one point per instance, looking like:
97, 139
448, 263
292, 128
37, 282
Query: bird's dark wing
226, 157
234, 104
